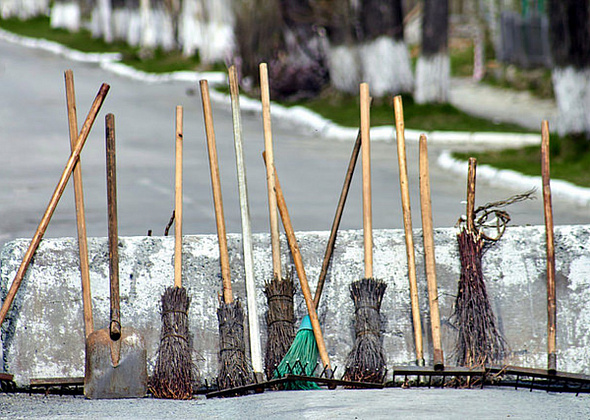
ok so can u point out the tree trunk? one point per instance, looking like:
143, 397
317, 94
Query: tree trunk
385, 61
569, 22
343, 54
433, 70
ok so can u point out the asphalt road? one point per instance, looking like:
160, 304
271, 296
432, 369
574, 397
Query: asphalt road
35, 144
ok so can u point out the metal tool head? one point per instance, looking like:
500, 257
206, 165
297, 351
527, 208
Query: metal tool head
115, 368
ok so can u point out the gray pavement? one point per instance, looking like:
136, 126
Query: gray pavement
490, 403
501, 104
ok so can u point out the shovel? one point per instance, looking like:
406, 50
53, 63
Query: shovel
115, 356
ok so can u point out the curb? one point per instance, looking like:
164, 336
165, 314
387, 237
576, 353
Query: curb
516, 180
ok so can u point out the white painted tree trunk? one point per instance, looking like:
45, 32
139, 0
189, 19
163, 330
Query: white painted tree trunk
217, 31
65, 15
121, 18
190, 27
105, 16
433, 75
23, 9
572, 94
344, 66
148, 29
386, 66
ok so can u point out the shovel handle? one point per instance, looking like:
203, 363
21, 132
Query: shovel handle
80, 212
297, 260
366, 159
59, 189
270, 176
407, 215
217, 199
547, 207
429, 260
178, 199
115, 324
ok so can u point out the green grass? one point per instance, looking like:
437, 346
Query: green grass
570, 159
156, 61
344, 110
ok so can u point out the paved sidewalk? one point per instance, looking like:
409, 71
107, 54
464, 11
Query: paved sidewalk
501, 104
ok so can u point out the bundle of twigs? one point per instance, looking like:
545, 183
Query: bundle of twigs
479, 341
174, 369
234, 370
366, 361
280, 321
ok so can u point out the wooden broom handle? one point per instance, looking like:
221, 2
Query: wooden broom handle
407, 215
429, 259
470, 213
547, 207
270, 176
178, 199
337, 218
292, 240
217, 200
59, 189
80, 212
366, 160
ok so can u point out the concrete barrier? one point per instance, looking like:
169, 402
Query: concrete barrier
43, 334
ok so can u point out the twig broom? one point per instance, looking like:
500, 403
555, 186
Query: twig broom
173, 372
234, 370
279, 290
366, 360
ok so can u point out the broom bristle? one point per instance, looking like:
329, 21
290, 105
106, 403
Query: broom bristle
479, 342
234, 370
280, 320
366, 360
174, 371
301, 359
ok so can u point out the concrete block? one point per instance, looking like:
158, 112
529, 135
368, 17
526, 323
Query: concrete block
43, 335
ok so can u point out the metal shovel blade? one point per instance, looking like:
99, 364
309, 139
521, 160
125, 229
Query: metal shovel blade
115, 368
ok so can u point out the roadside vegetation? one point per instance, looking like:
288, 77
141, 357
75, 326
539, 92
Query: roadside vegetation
570, 158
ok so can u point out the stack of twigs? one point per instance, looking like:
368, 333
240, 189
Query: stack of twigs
366, 361
279, 320
173, 372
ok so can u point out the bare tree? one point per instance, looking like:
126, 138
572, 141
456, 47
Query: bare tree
433, 68
569, 22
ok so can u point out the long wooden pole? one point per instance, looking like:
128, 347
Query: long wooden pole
297, 260
429, 259
80, 212
551, 297
270, 176
59, 189
178, 198
253, 322
337, 218
366, 161
407, 214
470, 213
217, 199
